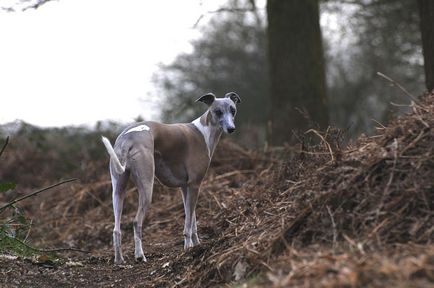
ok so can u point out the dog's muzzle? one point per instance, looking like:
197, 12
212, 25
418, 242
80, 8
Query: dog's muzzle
231, 130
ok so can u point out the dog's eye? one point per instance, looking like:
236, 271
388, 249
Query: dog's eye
218, 112
233, 111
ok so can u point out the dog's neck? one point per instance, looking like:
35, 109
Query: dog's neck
211, 133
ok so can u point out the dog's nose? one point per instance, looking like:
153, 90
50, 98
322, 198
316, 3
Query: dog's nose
231, 130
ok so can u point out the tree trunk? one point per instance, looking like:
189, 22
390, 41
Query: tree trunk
297, 74
426, 11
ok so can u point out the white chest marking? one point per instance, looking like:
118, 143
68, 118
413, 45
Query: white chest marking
206, 132
139, 128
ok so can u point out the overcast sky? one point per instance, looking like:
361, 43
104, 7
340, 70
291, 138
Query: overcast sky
80, 61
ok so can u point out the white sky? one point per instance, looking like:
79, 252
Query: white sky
80, 61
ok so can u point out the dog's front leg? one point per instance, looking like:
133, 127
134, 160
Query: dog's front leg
189, 197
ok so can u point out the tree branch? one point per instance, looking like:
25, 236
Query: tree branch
394, 83
25, 5
253, 9
35, 193
36, 5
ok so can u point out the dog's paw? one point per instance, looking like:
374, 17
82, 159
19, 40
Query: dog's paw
188, 244
119, 260
195, 239
138, 254
140, 258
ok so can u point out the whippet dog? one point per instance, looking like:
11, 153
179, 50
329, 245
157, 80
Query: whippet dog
178, 155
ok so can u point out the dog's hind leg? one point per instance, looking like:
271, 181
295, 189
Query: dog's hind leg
143, 175
119, 183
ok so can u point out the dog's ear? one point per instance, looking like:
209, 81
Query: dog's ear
234, 97
207, 99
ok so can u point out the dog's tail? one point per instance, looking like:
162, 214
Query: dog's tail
119, 168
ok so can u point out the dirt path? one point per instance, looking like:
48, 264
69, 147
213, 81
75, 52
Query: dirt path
165, 264
91, 271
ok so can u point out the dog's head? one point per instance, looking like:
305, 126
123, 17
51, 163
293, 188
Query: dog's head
222, 111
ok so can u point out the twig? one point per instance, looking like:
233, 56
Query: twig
36, 193
325, 142
394, 148
62, 249
228, 174
36, 5
217, 201
411, 145
313, 153
250, 249
399, 86
28, 231
4, 146
335, 236
382, 126
48, 250
376, 228
253, 9
266, 266
97, 199
22, 3
400, 105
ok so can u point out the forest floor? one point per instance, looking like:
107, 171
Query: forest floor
327, 215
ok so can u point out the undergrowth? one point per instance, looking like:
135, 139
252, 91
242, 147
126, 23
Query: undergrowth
15, 227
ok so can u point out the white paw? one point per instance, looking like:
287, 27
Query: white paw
195, 239
119, 260
140, 258
188, 244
